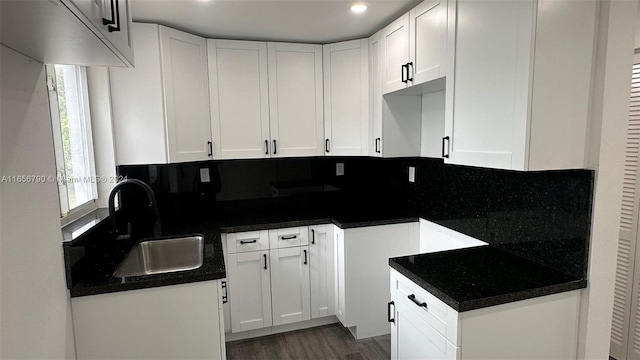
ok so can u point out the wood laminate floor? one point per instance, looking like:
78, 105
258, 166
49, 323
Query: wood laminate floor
324, 342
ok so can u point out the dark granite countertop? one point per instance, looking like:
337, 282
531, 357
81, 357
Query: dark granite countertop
94, 276
473, 278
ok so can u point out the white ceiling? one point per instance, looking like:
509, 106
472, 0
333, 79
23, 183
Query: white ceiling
309, 21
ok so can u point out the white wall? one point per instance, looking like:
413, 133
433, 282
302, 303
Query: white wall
103, 149
35, 311
609, 114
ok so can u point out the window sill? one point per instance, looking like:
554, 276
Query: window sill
76, 228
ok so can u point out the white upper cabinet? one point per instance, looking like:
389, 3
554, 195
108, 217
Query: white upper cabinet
395, 55
520, 84
427, 41
346, 98
186, 91
69, 31
295, 99
375, 94
161, 108
414, 46
239, 87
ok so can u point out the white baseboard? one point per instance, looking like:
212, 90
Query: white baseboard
280, 328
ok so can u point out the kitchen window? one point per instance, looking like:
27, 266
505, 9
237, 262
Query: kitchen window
71, 123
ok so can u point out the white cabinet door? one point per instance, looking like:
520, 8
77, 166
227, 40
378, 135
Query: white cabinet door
249, 290
121, 38
137, 103
290, 285
321, 271
239, 99
295, 99
375, 97
395, 55
340, 301
346, 94
168, 322
492, 55
186, 91
427, 41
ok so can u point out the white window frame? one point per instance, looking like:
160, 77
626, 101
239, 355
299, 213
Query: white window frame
69, 215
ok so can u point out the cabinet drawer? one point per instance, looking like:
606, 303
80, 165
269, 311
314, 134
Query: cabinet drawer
247, 241
427, 307
289, 237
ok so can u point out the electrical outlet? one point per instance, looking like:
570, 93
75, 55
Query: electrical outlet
339, 169
412, 174
204, 175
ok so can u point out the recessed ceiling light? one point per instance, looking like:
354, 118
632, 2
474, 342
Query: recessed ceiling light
358, 8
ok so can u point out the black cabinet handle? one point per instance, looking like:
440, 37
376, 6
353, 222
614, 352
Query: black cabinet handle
265, 261
445, 147
326, 145
266, 147
410, 64
378, 145
412, 297
389, 318
106, 21
243, 242
403, 72
210, 146
313, 236
116, 17
275, 147
305, 257
291, 237
225, 297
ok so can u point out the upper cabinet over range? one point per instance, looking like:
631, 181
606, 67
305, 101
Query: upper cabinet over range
518, 97
77, 32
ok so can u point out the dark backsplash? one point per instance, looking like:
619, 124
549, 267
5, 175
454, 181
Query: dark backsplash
544, 216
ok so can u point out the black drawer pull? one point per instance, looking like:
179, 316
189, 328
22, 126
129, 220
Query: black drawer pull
288, 237
412, 297
405, 66
265, 261
313, 236
243, 242
410, 71
326, 145
266, 147
275, 147
210, 147
305, 257
389, 318
378, 145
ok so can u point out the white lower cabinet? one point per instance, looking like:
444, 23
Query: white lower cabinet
169, 322
290, 293
362, 270
321, 270
424, 327
279, 276
250, 290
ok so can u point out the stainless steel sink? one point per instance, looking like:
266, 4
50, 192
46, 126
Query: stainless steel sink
162, 256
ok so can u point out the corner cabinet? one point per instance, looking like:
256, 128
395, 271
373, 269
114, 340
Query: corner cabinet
424, 327
518, 96
160, 109
346, 98
69, 31
168, 322
295, 99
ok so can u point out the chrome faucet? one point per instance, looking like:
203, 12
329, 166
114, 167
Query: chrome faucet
152, 204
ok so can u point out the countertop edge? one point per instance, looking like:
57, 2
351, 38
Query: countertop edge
462, 306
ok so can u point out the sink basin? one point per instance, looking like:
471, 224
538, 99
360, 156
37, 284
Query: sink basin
157, 256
